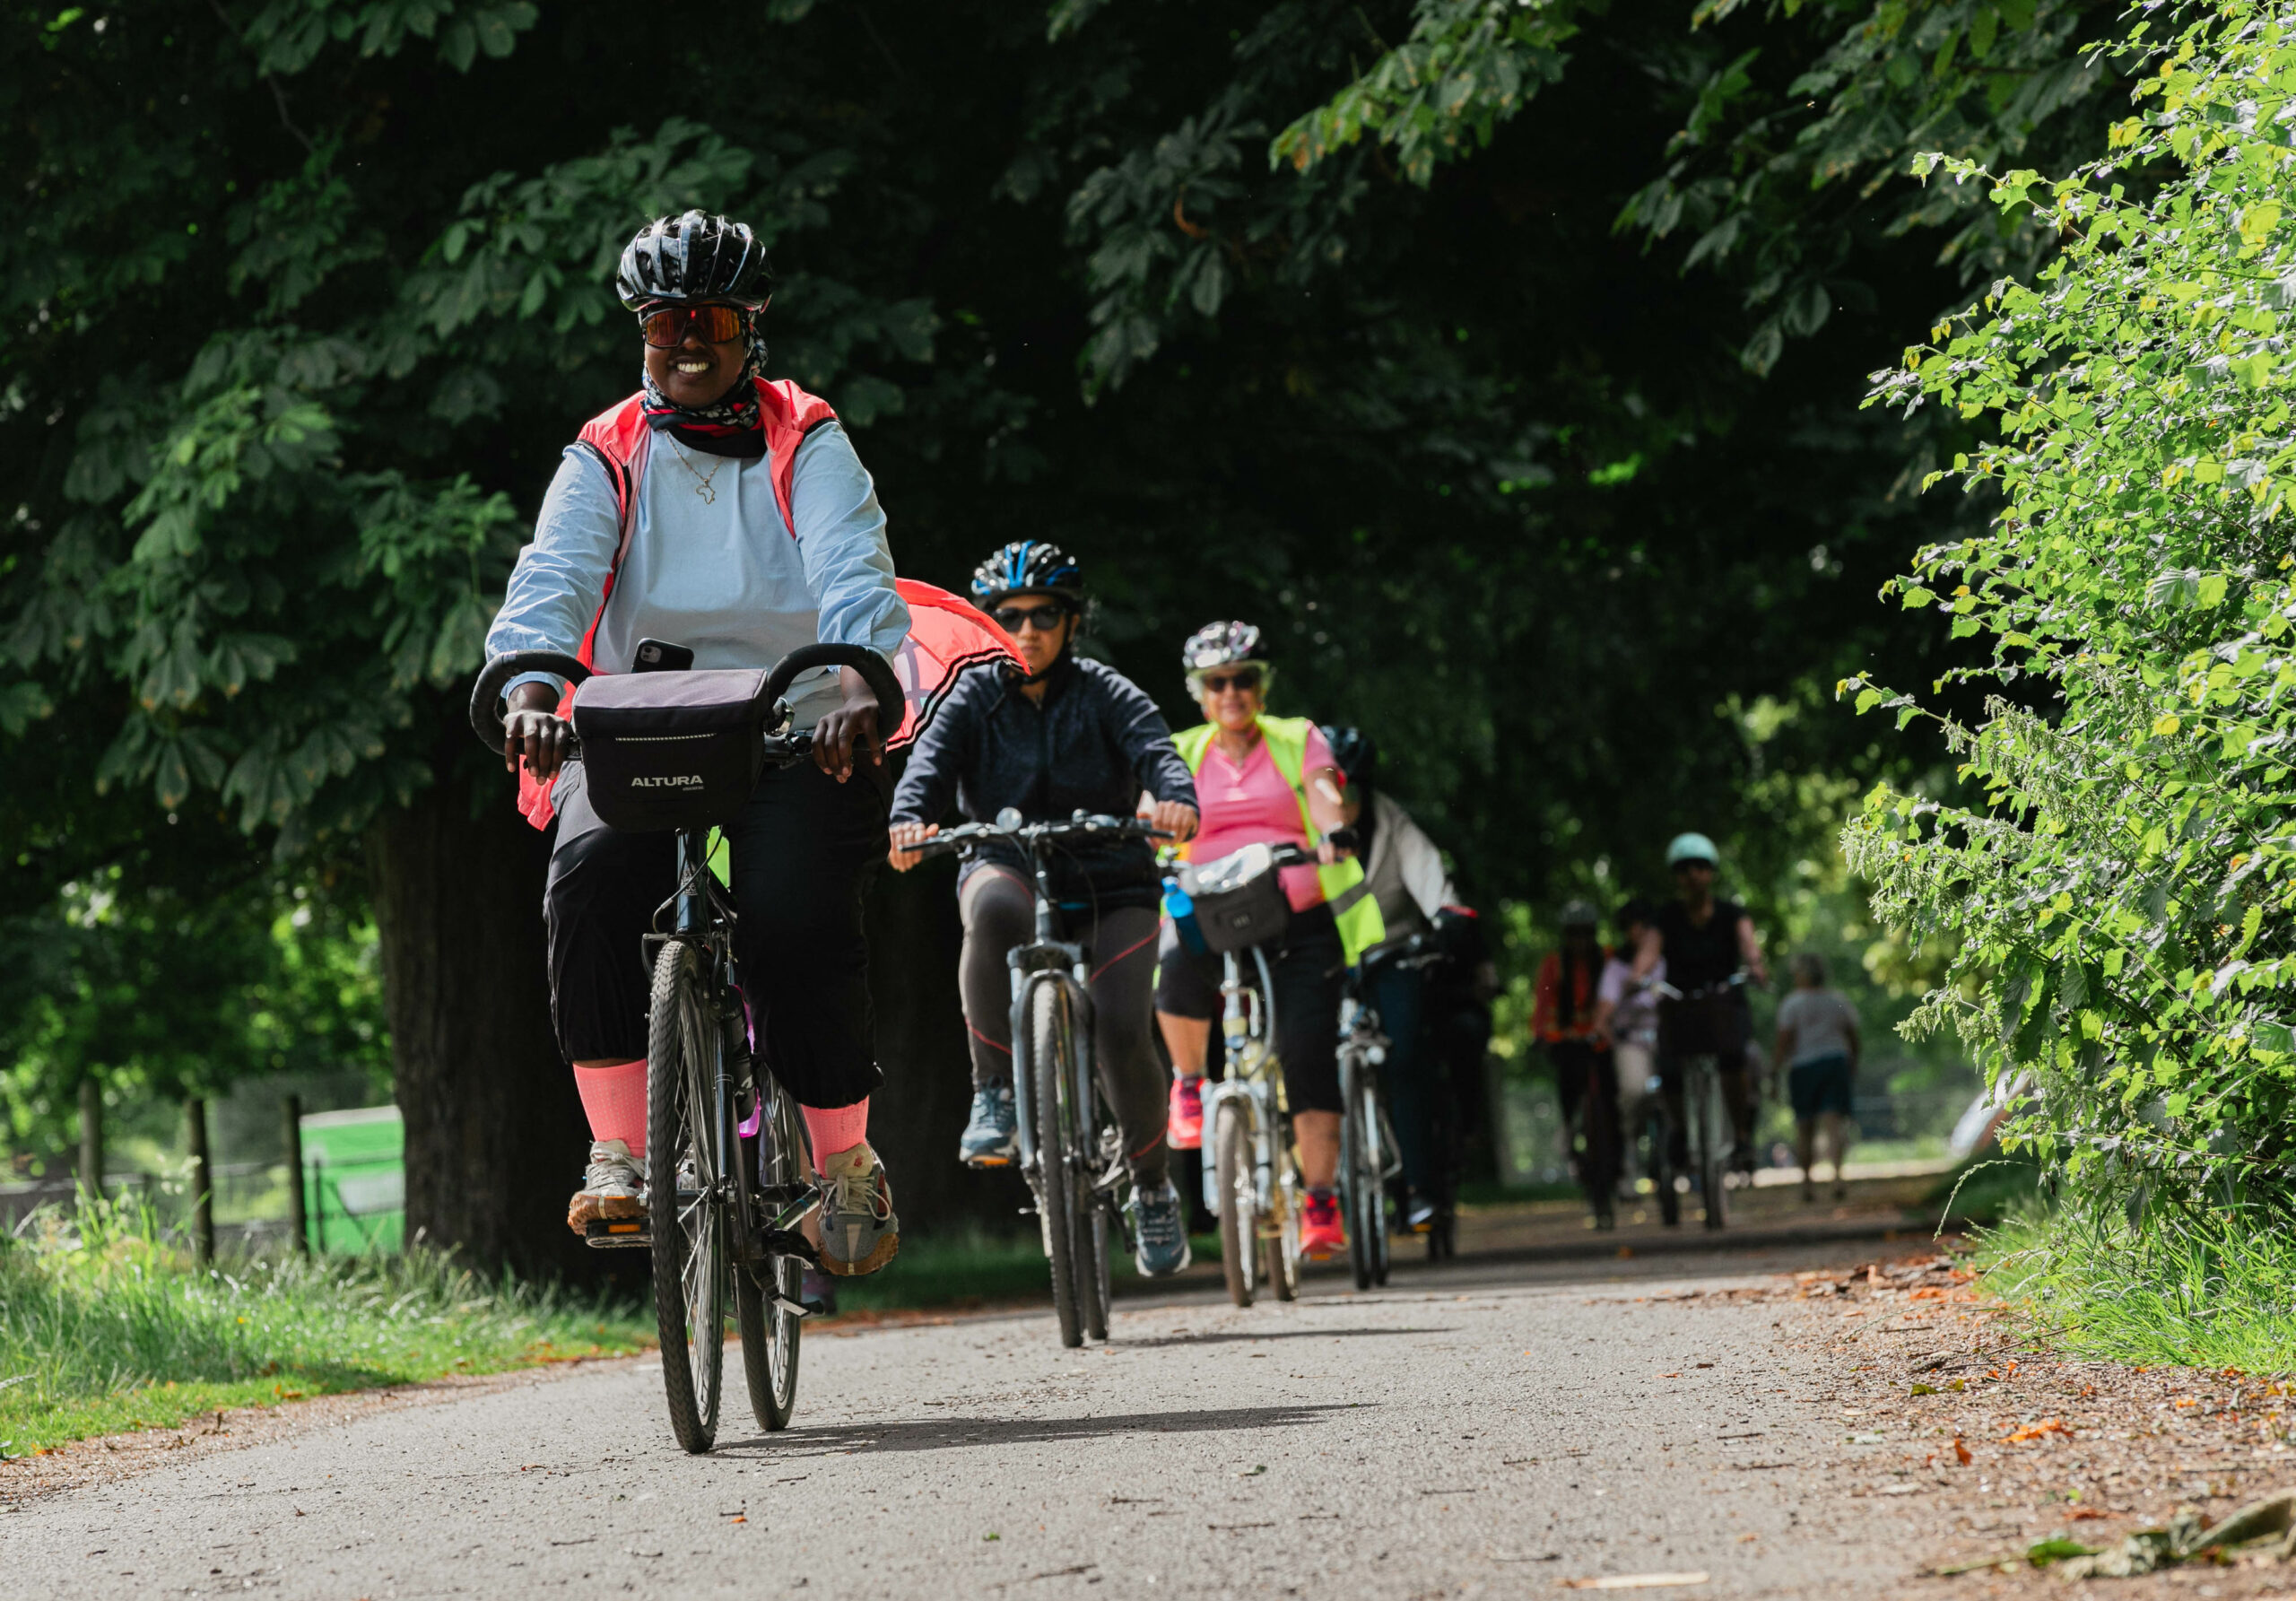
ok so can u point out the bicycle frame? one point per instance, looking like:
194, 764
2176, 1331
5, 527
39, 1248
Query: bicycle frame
702, 916
1252, 1081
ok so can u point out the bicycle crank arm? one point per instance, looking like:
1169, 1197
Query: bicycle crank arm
787, 1242
791, 1216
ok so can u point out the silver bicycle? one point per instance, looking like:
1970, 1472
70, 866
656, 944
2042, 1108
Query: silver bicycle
1252, 1172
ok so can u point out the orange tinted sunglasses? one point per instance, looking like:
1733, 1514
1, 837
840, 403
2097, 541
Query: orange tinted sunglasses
665, 329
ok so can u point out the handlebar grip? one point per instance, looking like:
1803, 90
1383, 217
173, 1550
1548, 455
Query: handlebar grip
892, 706
486, 695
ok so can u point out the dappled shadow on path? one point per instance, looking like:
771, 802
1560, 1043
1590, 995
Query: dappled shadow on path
936, 1434
1239, 1337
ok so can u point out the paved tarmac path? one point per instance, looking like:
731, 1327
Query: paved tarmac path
1491, 1430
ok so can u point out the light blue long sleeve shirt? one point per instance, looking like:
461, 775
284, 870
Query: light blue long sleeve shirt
726, 577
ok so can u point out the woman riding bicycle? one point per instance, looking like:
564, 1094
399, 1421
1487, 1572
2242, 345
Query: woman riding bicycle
1268, 780
1072, 734
728, 514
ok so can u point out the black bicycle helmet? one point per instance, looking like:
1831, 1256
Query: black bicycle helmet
1357, 755
694, 257
1028, 566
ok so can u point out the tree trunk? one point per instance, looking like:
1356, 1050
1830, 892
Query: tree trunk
92, 1136
203, 1179
291, 1121
495, 1136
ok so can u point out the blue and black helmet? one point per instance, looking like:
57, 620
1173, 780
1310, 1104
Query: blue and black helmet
1028, 566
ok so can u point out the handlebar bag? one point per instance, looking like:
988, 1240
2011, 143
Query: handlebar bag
671, 750
1239, 899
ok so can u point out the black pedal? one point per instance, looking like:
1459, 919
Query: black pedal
617, 1234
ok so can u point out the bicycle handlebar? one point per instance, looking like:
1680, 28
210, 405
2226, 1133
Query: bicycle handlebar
1704, 992
486, 695
948, 841
892, 706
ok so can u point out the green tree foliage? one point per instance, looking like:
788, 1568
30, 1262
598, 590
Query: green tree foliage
307, 297
1789, 166
2120, 900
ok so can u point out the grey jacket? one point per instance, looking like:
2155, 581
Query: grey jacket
1095, 742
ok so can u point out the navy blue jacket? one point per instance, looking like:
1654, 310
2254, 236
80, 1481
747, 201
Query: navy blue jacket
1096, 742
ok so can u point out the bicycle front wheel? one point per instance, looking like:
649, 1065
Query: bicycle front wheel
1051, 1068
1232, 1156
685, 1151
762, 1300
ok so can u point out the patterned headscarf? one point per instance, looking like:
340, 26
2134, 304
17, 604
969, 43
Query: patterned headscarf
733, 411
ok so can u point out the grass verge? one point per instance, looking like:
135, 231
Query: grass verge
106, 1325
2205, 1294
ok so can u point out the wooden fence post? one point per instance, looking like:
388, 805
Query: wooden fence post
291, 1114
203, 1186
92, 1136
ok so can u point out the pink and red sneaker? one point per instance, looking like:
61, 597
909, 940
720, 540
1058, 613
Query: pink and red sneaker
1321, 1234
1186, 1130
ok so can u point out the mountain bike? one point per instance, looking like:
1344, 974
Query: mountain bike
724, 1141
1071, 1152
1704, 1111
1369, 1158
1251, 1182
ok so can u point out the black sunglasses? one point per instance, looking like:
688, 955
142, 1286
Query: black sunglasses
1043, 619
1219, 683
665, 329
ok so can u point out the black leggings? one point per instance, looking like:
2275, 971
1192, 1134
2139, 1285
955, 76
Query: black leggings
999, 912
1308, 968
802, 853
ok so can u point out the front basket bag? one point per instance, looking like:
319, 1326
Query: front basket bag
671, 750
1239, 899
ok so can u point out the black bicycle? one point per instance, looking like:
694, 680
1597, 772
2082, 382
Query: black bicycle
1071, 1152
723, 1140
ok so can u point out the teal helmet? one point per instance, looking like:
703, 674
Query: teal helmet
1693, 847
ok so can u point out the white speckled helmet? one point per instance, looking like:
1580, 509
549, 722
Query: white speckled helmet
1224, 645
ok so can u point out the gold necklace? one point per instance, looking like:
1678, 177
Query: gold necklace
700, 484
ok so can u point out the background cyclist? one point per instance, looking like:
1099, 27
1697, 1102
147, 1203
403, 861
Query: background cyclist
1264, 780
1564, 1021
1626, 1015
1072, 733
705, 559
1703, 941
1405, 875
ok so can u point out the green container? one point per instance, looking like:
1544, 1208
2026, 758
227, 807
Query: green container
354, 1181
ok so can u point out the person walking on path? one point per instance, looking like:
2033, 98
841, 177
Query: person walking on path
1819, 1041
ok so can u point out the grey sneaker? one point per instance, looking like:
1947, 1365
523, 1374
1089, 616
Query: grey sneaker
859, 1232
613, 1187
1159, 1232
990, 1140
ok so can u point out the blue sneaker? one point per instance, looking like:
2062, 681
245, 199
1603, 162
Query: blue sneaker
989, 1140
1160, 1231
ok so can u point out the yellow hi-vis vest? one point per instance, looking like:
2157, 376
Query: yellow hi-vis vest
1357, 910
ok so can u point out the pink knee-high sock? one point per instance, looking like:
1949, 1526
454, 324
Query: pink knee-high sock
836, 1129
614, 1098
